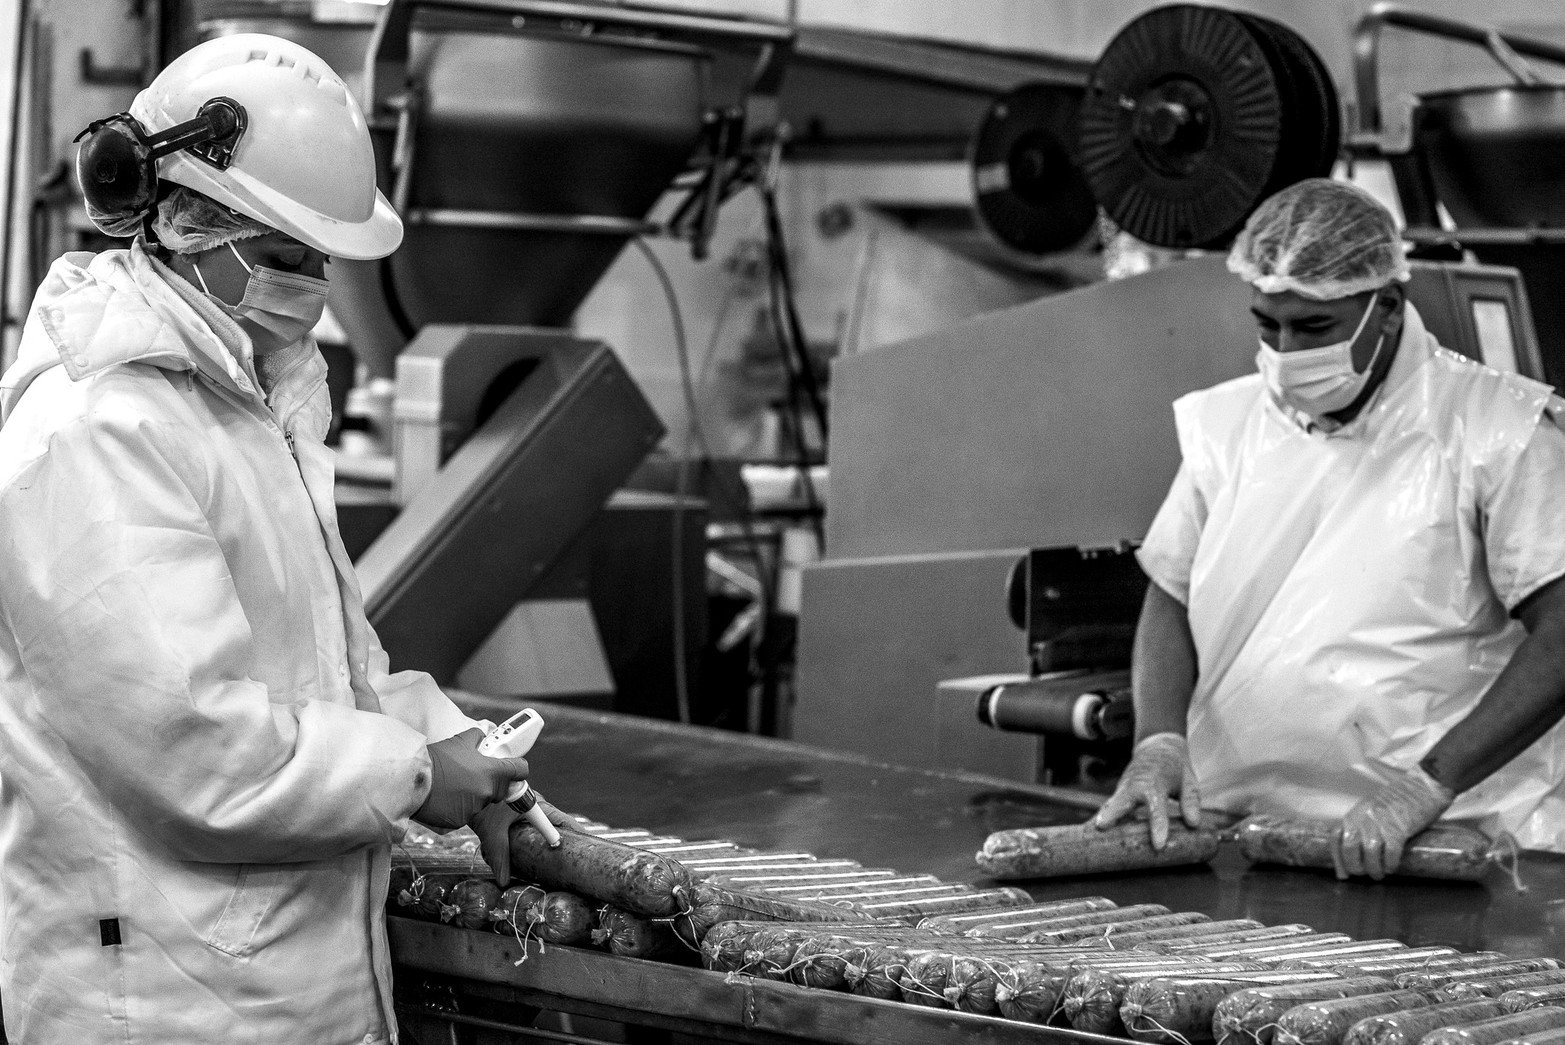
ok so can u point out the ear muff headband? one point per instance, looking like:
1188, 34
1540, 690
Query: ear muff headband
116, 165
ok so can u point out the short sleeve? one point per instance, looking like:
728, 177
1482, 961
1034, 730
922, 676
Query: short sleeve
1170, 546
1524, 538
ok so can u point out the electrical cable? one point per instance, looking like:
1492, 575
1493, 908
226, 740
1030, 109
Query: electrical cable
681, 480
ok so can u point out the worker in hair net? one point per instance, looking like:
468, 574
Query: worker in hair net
207, 758
1355, 610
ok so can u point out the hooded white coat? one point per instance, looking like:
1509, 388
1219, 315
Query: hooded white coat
205, 758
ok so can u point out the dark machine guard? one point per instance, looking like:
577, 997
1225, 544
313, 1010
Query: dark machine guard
435, 582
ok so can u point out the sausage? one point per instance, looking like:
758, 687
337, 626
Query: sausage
1050, 909
1251, 1014
1171, 1008
601, 869
1272, 948
561, 917
1333, 955
905, 884
917, 910
873, 972
1447, 851
1146, 933
1092, 998
1532, 997
469, 902
1325, 1022
1428, 979
1494, 986
1049, 852
509, 913
1409, 1028
722, 949
1160, 1008
1043, 926
1202, 939
1025, 991
709, 904
1492, 1031
769, 953
628, 936
1420, 959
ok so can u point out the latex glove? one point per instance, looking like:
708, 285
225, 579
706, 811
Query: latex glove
465, 781
1375, 831
492, 825
1159, 768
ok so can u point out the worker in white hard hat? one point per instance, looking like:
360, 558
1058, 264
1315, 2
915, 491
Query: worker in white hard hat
206, 759
1356, 611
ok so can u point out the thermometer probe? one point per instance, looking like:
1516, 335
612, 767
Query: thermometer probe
513, 738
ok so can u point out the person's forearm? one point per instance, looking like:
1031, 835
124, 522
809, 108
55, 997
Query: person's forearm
1525, 702
1163, 671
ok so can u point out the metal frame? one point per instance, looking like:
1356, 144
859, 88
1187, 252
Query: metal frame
739, 1009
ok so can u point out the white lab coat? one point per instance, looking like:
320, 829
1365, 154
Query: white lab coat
201, 748
1349, 593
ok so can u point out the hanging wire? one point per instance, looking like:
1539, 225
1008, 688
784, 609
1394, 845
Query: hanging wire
681, 482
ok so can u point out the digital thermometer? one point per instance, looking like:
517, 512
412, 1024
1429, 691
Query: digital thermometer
513, 738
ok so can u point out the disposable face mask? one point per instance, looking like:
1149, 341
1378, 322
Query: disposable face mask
284, 305
1318, 381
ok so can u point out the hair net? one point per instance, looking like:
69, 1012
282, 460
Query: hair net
1322, 239
188, 222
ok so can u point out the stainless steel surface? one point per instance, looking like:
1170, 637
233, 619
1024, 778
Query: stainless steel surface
697, 783
1496, 154
507, 121
437, 965
1366, 52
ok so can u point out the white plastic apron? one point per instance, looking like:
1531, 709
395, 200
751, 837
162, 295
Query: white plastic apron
1340, 598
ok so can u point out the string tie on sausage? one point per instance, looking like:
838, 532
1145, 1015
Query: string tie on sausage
1178, 1038
1511, 853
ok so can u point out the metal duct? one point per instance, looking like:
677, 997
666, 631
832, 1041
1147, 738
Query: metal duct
521, 155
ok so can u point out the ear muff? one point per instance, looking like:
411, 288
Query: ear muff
116, 165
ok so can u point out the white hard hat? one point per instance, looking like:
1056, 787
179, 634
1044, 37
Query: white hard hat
304, 164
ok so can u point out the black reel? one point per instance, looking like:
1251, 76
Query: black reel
116, 165
1194, 115
1030, 190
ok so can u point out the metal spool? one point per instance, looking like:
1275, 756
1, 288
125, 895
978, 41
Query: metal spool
1029, 188
1194, 115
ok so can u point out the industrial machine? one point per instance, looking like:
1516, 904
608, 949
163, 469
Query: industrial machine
1048, 425
1077, 608
1489, 158
525, 143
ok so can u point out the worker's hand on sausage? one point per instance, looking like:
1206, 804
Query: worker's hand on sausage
1159, 769
463, 781
1376, 830
492, 825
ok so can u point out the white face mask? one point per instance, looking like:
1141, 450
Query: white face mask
280, 307
1318, 381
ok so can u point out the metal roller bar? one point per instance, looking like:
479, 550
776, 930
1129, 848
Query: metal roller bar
1366, 51
493, 219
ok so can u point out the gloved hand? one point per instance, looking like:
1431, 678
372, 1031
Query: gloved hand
465, 781
492, 825
1159, 768
1376, 829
